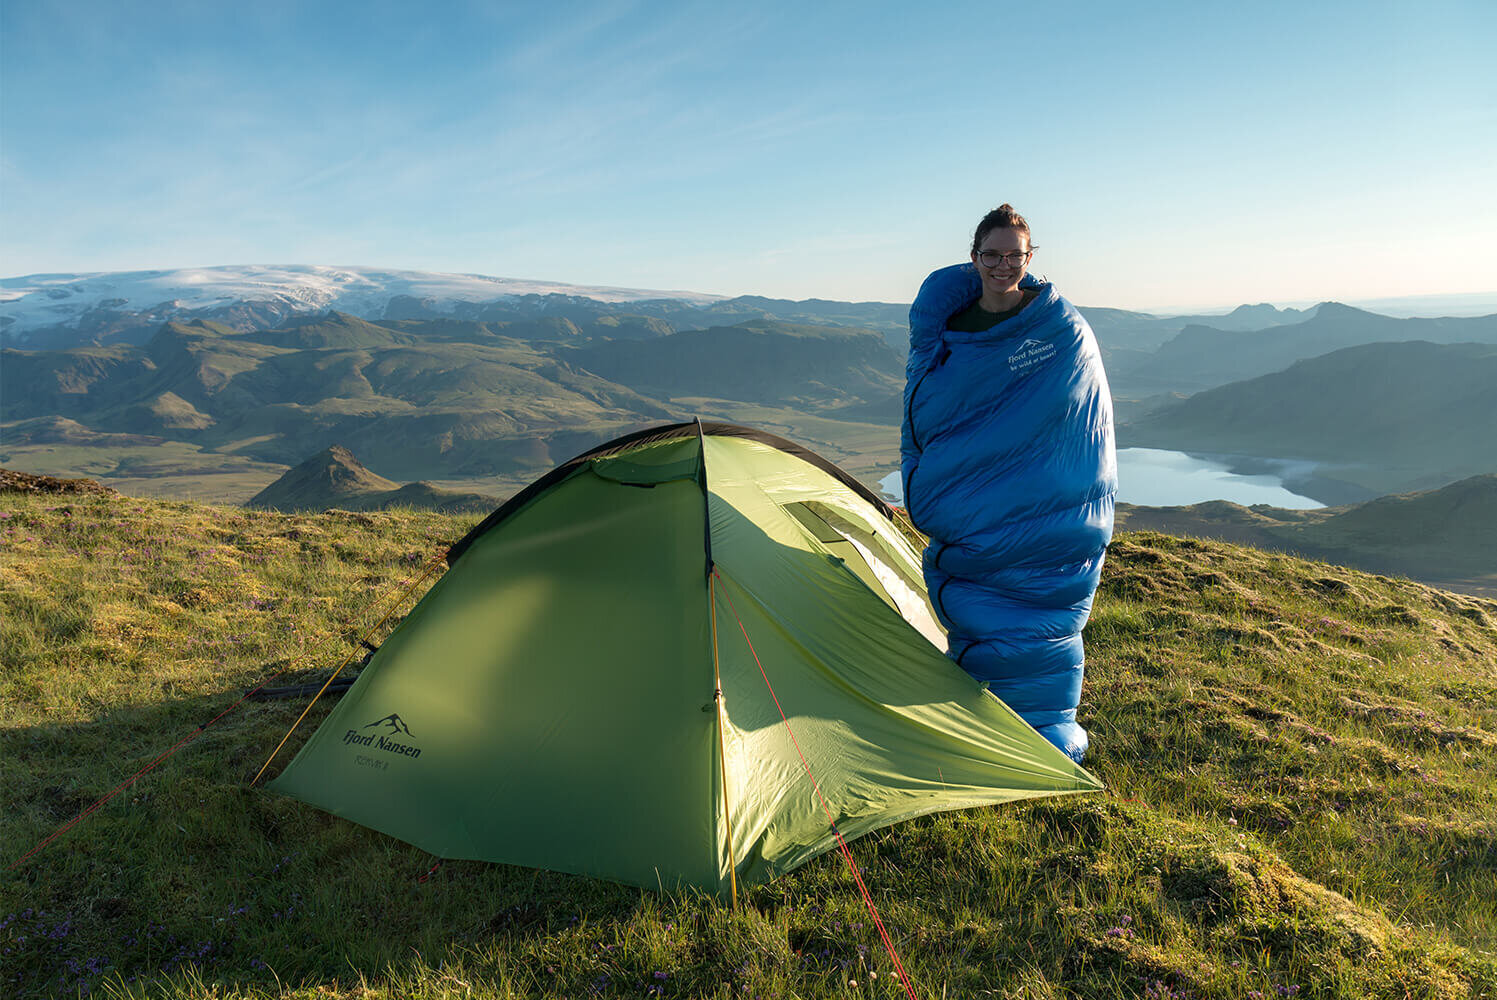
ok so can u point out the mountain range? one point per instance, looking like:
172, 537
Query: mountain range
488, 404
830, 367
211, 382
1201, 356
50, 311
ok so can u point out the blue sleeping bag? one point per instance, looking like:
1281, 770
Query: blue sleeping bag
1009, 467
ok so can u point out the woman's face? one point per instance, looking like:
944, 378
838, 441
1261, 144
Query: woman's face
1002, 276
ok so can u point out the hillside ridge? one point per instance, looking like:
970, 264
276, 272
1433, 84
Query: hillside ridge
1446, 537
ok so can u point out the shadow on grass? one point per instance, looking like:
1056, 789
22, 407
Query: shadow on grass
190, 868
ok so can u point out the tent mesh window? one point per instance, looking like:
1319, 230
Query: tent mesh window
871, 558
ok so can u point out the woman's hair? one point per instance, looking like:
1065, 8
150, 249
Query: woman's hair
1002, 217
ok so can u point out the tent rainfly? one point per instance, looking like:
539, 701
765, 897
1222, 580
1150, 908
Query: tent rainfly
596, 683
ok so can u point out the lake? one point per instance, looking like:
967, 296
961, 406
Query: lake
1157, 478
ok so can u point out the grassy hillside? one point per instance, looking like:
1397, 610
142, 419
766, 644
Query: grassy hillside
1445, 537
1452, 530
1298, 759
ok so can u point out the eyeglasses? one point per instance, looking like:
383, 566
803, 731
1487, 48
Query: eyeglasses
990, 258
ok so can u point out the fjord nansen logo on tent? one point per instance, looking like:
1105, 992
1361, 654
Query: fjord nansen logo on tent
395, 726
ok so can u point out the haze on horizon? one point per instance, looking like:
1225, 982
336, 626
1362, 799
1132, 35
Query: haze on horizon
1177, 156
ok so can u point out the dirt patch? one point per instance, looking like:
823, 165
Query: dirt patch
24, 482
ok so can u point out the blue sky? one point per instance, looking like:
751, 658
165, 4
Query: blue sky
1166, 155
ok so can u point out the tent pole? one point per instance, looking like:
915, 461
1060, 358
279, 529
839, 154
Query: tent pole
717, 680
722, 755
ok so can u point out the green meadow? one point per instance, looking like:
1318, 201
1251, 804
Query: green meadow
1299, 761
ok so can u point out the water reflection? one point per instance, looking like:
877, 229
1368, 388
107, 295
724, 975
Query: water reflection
1157, 478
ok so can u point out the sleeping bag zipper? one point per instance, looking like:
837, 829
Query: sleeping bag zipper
909, 406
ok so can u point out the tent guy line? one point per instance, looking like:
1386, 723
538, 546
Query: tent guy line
852, 864
90, 810
248, 695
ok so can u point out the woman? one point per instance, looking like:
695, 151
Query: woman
1009, 467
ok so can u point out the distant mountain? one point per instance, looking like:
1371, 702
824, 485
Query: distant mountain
330, 329
1119, 330
889, 319
325, 478
1447, 536
1451, 530
1202, 356
1122, 330
1260, 316
1390, 417
335, 478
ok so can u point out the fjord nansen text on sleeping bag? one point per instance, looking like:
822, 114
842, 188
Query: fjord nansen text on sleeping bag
1009, 467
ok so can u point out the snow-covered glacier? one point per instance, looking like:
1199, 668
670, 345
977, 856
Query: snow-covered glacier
40, 301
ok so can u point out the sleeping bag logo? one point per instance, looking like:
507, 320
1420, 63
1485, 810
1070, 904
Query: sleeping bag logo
389, 736
1029, 354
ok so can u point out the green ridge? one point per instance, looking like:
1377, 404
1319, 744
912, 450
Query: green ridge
1445, 537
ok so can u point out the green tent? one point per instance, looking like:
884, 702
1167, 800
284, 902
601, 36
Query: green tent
554, 700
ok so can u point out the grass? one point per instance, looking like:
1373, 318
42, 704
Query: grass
1298, 758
